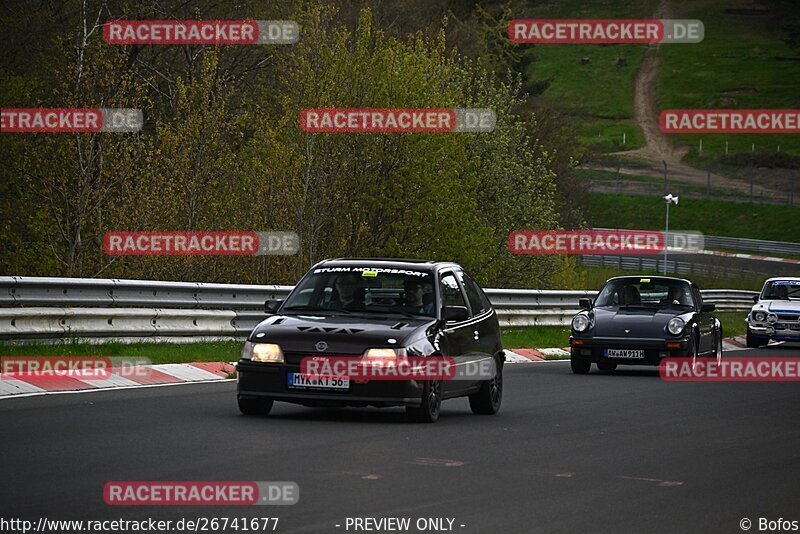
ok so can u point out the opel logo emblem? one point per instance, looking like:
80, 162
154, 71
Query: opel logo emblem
321, 346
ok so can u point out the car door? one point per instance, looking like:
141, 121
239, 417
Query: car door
705, 323
458, 336
484, 326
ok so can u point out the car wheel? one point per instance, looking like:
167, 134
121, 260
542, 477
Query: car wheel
488, 399
257, 406
579, 367
428, 411
752, 342
606, 366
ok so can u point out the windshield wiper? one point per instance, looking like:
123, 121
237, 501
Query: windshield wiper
306, 307
386, 309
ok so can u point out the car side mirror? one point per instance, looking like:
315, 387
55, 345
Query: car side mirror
455, 313
709, 307
585, 304
755, 299
271, 306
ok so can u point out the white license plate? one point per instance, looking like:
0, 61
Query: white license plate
302, 381
624, 353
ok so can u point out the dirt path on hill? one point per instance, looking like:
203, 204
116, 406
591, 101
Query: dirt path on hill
658, 145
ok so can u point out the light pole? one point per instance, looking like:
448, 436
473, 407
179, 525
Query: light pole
668, 200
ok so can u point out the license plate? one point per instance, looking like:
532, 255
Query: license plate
303, 381
624, 353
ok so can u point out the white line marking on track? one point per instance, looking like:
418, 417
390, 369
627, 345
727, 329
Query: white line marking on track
120, 388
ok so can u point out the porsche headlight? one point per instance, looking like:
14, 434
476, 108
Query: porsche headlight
675, 325
580, 323
262, 352
759, 316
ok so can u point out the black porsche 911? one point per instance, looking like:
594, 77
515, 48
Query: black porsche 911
639, 320
369, 308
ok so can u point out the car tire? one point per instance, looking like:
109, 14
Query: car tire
752, 342
258, 406
607, 366
428, 411
579, 367
488, 399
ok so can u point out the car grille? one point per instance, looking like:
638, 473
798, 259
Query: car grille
788, 317
329, 330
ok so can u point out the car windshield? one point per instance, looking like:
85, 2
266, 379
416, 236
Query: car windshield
645, 292
364, 289
781, 290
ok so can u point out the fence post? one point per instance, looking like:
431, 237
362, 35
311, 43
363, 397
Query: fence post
751, 186
708, 183
665, 176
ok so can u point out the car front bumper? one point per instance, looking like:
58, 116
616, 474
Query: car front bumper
271, 381
655, 350
782, 331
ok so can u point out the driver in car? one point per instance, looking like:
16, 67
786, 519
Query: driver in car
414, 293
675, 295
346, 292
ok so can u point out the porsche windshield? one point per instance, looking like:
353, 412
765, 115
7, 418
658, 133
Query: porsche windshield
781, 290
644, 292
364, 290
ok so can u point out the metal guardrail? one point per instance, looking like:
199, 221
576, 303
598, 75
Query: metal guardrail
726, 268
761, 246
770, 248
91, 309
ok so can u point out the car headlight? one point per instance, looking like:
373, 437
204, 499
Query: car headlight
580, 323
772, 318
675, 325
262, 352
759, 316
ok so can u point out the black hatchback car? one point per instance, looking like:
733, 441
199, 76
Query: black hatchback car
357, 308
639, 320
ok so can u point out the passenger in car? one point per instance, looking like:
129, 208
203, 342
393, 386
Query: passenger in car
630, 296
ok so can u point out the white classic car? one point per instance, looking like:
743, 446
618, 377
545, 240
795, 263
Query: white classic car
776, 314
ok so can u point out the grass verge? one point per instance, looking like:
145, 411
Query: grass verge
711, 217
222, 351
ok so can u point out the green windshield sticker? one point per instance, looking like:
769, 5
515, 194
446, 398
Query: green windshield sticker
369, 274
644, 281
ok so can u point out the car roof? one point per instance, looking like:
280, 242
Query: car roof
650, 277
793, 278
399, 263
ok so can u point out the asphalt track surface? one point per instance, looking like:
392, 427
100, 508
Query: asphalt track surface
626, 452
